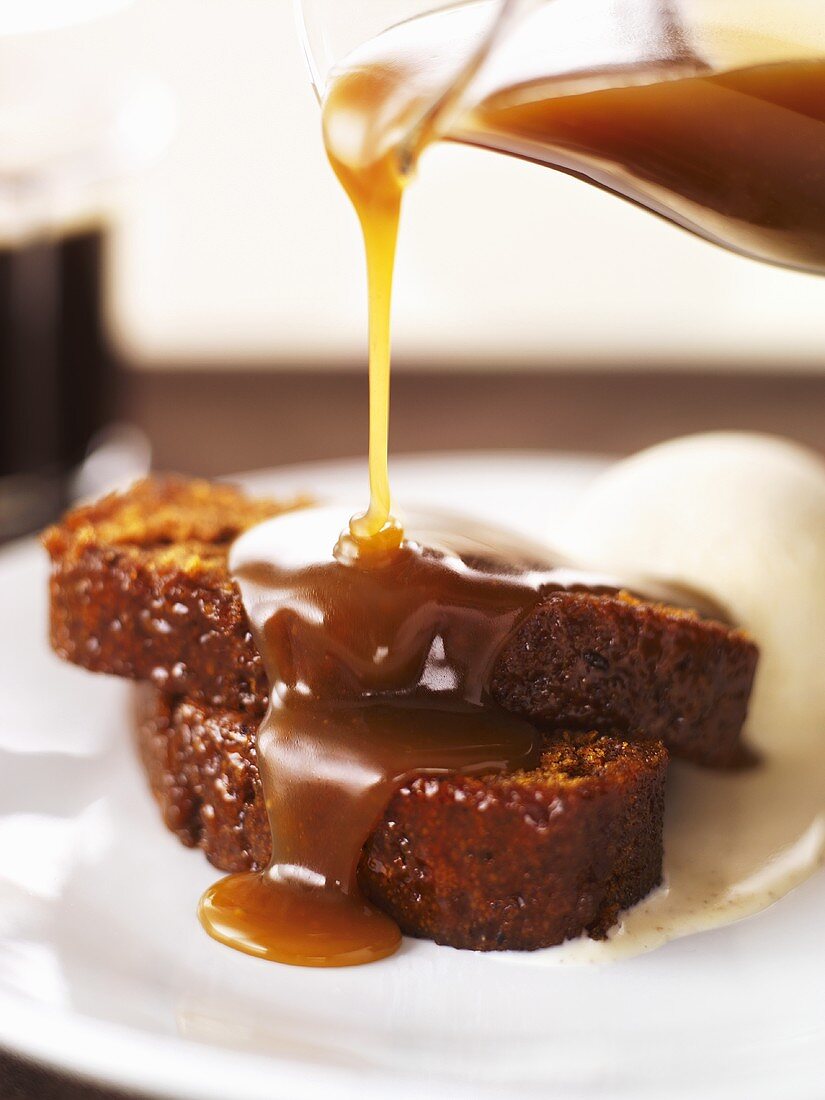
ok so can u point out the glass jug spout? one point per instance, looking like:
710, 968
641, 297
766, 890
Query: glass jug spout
475, 48
710, 113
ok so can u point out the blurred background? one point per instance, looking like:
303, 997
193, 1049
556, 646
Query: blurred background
178, 259
182, 284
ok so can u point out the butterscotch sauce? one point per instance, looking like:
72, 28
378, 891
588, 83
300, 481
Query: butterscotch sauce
737, 157
379, 671
730, 149
375, 189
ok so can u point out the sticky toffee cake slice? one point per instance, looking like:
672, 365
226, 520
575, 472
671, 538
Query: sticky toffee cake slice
517, 862
140, 588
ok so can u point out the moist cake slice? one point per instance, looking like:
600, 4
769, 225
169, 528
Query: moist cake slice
516, 862
140, 588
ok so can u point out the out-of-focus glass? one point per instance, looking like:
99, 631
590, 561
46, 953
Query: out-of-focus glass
578, 44
72, 127
710, 113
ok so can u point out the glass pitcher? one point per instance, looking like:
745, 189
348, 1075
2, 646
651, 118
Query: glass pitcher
710, 113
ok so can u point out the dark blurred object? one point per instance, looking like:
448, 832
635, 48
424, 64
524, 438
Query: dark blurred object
22, 1080
57, 374
78, 118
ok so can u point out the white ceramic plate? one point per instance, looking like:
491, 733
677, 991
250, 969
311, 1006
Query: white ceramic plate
104, 970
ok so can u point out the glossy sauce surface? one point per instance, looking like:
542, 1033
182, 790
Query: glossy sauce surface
737, 157
379, 672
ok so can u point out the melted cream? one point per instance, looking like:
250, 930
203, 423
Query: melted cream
735, 843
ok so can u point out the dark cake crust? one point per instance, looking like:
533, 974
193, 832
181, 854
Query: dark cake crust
638, 671
509, 862
140, 588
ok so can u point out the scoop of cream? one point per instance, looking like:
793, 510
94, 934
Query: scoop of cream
741, 516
